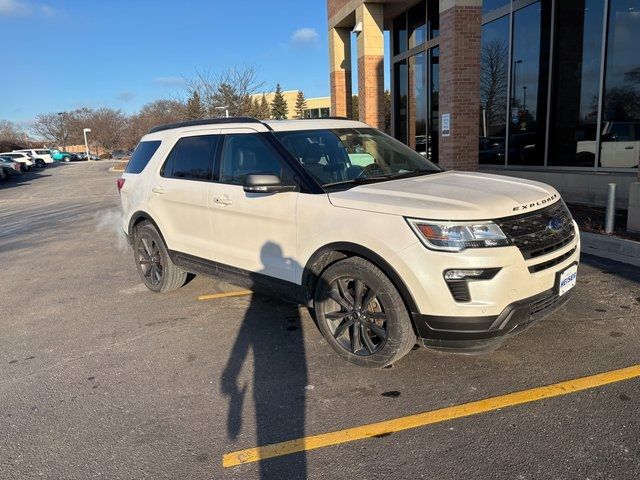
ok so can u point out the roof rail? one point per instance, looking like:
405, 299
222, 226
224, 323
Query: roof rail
204, 121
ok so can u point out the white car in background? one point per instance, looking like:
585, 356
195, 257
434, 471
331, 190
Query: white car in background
22, 158
619, 146
42, 154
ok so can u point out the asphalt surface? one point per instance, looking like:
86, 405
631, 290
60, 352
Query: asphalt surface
100, 378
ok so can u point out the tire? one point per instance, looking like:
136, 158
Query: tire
3, 175
374, 331
157, 271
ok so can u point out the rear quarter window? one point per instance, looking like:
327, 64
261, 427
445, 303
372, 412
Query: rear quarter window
141, 156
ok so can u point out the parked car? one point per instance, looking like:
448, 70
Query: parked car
41, 156
619, 146
59, 156
383, 252
22, 158
121, 154
10, 167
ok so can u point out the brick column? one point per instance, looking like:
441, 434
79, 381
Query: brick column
371, 64
460, 27
340, 75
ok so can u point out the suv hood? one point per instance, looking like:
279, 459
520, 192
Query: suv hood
449, 196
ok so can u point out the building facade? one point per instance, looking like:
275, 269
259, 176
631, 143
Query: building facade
543, 89
317, 107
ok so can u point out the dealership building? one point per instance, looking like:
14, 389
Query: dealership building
541, 89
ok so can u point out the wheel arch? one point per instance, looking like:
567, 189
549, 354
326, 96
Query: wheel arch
139, 217
333, 252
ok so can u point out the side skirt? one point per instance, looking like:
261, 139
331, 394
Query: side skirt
258, 282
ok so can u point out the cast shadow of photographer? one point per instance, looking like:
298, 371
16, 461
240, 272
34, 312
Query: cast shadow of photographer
272, 332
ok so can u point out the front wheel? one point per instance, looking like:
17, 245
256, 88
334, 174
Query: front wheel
154, 264
361, 314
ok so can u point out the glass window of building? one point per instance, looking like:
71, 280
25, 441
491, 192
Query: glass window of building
494, 79
433, 18
400, 81
620, 136
418, 103
434, 105
417, 21
491, 5
400, 34
576, 82
528, 96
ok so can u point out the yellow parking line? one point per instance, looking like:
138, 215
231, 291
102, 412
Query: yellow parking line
426, 418
236, 293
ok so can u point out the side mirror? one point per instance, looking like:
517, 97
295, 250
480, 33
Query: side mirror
265, 183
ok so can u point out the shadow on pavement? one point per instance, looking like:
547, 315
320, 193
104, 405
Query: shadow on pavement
279, 378
612, 267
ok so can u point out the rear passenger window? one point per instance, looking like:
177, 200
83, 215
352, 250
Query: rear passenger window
141, 156
191, 158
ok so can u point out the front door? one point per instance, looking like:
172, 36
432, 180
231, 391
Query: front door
254, 232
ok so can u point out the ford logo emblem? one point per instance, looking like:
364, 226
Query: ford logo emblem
556, 224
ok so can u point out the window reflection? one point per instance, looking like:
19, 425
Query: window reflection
574, 114
491, 5
620, 142
400, 34
400, 100
434, 106
418, 103
494, 75
417, 19
528, 87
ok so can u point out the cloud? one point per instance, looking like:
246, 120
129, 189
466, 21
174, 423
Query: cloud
125, 96
23, 8
169, 81
304, 37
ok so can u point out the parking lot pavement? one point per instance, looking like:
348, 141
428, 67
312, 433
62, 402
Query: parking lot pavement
101, 378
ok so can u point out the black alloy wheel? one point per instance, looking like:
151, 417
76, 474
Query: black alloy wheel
359, 324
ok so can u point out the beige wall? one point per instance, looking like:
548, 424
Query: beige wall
290, 97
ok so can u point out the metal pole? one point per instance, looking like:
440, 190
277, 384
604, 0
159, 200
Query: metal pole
86, 145
611, 209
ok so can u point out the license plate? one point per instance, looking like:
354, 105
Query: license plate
568, 279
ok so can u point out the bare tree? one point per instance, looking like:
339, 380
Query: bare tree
107, 127
10, 132
52, 128
231, 89
493, 81
151, 115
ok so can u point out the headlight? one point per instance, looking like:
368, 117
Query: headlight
456, 236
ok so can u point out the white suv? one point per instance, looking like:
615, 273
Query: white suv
335, 215
38, 155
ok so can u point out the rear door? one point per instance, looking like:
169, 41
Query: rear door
254, 232
178, 195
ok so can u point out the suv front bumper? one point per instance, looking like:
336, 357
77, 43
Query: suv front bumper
486, 333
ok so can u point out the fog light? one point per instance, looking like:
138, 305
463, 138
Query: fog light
462, 274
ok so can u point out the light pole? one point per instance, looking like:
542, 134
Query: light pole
61, 115
226, 110
86, 144
524, 98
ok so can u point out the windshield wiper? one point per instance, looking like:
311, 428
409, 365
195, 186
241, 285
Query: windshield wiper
381, 178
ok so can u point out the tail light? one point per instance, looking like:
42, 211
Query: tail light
120, 183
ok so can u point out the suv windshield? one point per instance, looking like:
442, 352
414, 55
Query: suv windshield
347, 156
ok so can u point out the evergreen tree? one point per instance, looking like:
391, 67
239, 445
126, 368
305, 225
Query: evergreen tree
279, 108
265, 109
301, 104
195, 108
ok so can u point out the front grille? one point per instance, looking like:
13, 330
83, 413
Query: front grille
550, 263
531, 233
538, 308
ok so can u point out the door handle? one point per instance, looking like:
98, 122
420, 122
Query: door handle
628, 148
159, 190
223, 200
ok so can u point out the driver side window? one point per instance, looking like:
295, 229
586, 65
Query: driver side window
245, 154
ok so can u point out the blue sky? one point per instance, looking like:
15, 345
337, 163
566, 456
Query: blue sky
61, 55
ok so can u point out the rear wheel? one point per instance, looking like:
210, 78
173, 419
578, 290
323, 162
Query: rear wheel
361, 314
154, 264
